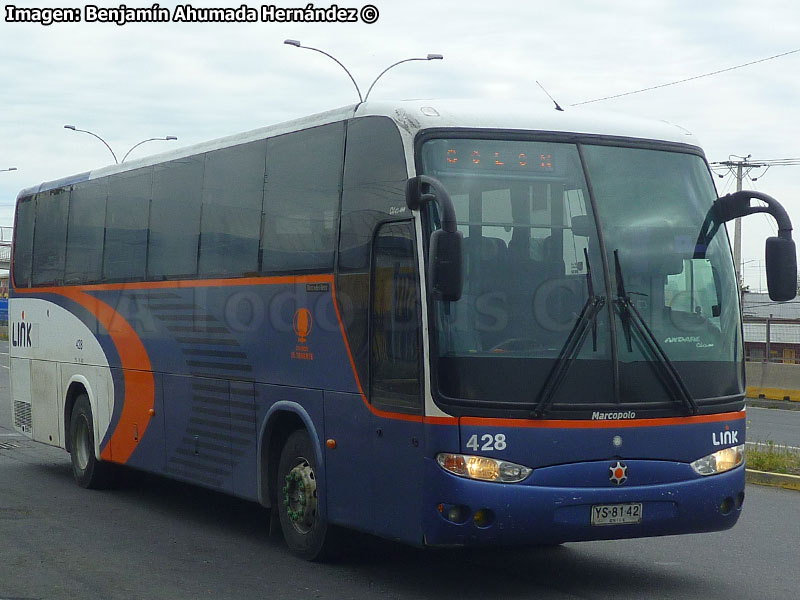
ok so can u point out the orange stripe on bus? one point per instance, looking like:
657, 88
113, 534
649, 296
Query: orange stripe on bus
137, 373
182, 283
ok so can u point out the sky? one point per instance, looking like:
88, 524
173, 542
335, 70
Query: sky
200, 81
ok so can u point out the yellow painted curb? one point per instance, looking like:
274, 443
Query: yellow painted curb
787, 482
773, 393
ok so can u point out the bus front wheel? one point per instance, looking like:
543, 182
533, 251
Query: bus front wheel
89, 472
305, 531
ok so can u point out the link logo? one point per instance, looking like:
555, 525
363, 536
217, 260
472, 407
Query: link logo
725, 438
23, 334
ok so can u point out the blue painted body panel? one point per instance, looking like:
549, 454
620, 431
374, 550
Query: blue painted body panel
545, 446
397, 457
348, 482
538, 514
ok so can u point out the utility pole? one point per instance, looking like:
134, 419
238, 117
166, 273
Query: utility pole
743, 166
740, 166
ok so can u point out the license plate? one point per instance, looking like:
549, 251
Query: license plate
616, 514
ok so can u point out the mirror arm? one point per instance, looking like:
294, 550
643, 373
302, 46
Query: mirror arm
732, 206
448, 211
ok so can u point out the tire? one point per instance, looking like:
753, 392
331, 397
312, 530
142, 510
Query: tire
89, 472
298, 490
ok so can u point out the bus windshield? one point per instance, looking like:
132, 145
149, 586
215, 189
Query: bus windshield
554, 275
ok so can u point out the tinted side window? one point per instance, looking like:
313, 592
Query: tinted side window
233, 194
304, 171
175, 218
50, 236
395, 320
125, 253
23, 241
85, 232
374, 184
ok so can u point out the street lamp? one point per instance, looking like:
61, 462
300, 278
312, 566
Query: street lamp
73, 128
297, 44
400, 62
8, 169
166, 138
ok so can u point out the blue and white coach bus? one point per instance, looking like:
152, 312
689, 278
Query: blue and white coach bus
440, 323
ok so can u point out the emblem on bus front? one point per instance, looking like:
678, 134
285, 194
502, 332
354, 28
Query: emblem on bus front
618, 473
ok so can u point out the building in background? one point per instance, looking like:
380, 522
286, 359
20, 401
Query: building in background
771, 329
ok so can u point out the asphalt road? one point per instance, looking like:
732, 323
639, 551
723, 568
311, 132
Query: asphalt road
773, 425
153, 538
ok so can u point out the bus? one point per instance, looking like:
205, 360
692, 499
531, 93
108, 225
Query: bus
441, 323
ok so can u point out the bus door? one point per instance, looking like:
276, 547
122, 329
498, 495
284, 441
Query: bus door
395, 383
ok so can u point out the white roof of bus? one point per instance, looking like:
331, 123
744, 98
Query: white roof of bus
488, 114
416, 115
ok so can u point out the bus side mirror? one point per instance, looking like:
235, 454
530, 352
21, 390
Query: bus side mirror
445, 268
781, 261
781, 257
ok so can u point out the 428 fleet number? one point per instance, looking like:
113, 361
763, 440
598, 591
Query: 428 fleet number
487, 442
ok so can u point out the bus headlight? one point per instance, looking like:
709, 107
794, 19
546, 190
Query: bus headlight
482, 468
720, 461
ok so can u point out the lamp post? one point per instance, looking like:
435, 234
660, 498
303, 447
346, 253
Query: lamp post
73, 128
297, 44
166, 138
8, 169
400, 62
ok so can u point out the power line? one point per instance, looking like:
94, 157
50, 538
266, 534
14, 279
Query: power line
779, 162
663, 85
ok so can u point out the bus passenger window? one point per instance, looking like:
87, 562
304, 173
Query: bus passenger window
395, 320
175, 219
302, 199
50, 237
233, 196
125, 253
23, 241
85, 232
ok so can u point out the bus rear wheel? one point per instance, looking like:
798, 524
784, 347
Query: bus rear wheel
88, 471
305, 531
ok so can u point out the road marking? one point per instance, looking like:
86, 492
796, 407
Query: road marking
776, 446
5, 367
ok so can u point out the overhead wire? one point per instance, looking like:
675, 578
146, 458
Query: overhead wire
663, 85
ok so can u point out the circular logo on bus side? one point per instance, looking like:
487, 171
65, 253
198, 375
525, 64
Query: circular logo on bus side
618, 473
302, 323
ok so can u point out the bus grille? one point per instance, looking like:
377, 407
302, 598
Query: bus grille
22, 416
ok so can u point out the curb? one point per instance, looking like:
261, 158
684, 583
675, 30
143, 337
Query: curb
767, 393
779, 404
787, 482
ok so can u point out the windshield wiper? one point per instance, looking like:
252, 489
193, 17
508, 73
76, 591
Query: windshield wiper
572, 345
630, 316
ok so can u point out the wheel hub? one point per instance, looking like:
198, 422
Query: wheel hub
300, 497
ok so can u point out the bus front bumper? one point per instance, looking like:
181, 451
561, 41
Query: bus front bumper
459, 511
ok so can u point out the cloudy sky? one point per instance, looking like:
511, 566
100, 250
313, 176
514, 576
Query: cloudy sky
201, 81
